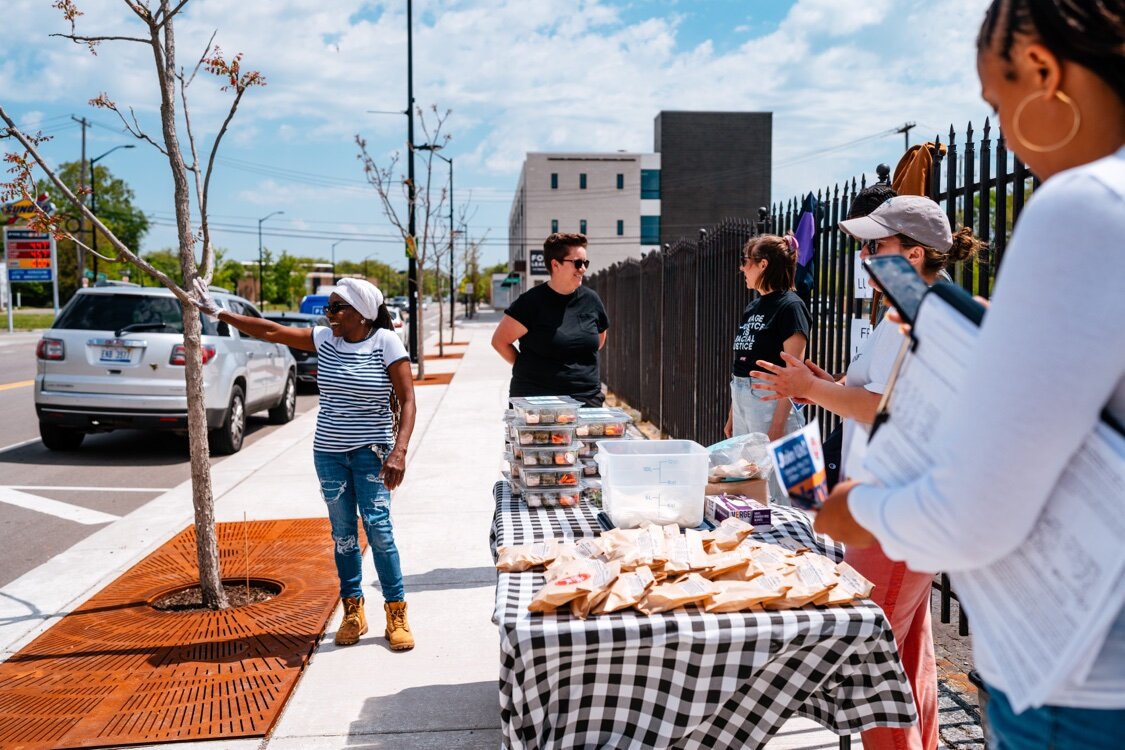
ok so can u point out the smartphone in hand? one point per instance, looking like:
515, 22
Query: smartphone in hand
900, 282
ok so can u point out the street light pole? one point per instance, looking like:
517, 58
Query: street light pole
434, 148
260, 289
411, 250
334, 244
94, 203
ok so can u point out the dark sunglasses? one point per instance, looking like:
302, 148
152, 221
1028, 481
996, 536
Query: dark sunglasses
332, 308
578, 262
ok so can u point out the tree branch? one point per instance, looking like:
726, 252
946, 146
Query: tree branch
90, 40
168, 14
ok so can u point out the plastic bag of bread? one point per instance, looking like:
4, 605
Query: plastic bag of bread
629, 588
581, 606
808, 581
518, 558
850, 586
728, 535
690, 589
569, 579
740, 596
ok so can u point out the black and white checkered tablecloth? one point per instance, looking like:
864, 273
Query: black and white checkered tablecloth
684, 679
515, 523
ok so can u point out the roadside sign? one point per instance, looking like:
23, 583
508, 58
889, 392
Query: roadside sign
29, 254
538, 264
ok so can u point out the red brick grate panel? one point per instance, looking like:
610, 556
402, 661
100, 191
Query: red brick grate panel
118, 672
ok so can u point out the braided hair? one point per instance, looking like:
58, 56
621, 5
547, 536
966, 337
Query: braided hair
1090, 33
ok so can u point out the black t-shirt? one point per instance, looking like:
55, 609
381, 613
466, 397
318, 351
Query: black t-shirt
766, 323
558, 356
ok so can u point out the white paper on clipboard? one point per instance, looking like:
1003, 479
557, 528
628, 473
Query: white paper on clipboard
1069, 572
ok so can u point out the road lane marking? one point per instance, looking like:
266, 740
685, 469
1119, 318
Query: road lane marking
21, 384
13, 446
34, 487
55, 508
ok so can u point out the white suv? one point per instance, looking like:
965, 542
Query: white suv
114, 359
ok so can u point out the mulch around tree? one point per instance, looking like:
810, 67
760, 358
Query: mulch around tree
117, 671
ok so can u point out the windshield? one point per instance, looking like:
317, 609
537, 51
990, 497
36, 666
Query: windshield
113, 312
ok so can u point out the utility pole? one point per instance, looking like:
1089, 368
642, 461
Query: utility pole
905, 130
412, 246
452, 284
81, 216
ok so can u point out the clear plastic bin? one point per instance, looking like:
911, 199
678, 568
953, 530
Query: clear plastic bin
550, 477
539, 435
543, 456
659, 481
539, 410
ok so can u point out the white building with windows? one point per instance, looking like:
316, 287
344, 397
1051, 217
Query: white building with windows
612, 198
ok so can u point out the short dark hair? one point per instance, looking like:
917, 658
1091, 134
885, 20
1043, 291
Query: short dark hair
781, 255
869, 199
556, 245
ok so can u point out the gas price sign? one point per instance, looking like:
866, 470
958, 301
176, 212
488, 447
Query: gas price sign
29, 254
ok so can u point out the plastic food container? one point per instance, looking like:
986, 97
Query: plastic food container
540, 410
590, 468
660, 481
550, 477
592, 491
562, 455
557, 436
589, 445
598, 423
540, 498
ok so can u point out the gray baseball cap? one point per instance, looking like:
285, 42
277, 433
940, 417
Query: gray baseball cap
916, 216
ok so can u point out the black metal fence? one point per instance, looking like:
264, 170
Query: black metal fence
673, 314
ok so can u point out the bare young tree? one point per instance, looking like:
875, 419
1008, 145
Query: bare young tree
429, 210
158, 34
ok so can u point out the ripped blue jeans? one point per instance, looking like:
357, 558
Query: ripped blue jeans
351, 486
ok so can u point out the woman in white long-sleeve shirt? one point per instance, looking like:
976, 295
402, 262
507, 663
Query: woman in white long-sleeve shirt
1050, 356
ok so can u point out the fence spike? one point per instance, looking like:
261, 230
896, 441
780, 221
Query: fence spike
952, 134
969, 132
987, 127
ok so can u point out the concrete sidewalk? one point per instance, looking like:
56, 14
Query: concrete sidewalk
444, 693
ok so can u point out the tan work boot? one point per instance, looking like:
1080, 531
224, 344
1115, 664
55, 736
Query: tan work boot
354, 624
398, 630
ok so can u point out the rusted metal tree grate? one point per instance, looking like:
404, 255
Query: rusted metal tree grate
118, 672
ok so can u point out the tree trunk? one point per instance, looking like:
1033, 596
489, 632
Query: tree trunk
419, 325
206, 540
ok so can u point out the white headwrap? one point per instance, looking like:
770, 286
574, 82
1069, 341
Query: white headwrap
364, 296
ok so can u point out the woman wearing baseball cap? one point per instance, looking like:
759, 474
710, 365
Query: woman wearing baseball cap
917, 229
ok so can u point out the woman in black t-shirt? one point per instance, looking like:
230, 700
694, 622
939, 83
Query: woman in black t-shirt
775, 321
560, 326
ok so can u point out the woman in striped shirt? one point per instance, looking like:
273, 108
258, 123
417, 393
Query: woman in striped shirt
359, 459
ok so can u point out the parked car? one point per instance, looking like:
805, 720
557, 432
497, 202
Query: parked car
114, 359
400, 326
306, 361
400, 301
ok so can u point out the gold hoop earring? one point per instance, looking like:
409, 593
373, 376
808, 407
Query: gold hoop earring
1054, 146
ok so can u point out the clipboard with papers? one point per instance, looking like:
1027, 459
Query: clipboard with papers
1071, 565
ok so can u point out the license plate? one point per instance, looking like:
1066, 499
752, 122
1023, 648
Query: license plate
115, 354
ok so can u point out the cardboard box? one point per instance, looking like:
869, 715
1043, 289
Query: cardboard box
718, 508
758, 489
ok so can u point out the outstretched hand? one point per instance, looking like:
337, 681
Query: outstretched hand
203, 299
792, 381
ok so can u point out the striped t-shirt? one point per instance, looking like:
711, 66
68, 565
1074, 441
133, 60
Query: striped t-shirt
355, 389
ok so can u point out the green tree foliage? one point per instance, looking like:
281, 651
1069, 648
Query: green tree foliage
115, 208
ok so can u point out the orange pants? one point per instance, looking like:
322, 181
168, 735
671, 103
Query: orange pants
905, 598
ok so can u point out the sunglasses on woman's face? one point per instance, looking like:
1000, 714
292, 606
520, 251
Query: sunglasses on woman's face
579, 263
333, 308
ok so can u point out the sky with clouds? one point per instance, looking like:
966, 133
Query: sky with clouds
518, 75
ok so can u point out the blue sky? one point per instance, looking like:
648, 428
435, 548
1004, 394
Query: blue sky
518, 75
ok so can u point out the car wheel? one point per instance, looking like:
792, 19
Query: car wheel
60, 438
286, 409
227, 438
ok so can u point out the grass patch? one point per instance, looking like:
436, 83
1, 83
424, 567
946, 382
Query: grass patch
28, 321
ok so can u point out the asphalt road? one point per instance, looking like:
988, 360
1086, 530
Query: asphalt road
51, 500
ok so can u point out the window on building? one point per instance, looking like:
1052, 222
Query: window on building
650, 230
582, 181
582, 226
554, 180
650, 183
554, 225
620, 182
620, 228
